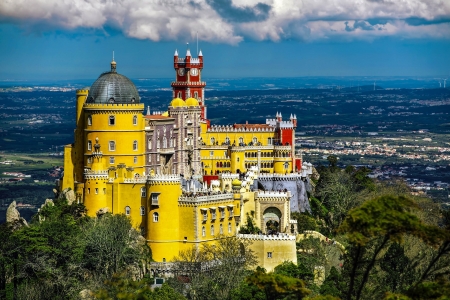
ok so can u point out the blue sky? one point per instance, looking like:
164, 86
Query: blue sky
53, 39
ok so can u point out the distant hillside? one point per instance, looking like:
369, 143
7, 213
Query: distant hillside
362, 88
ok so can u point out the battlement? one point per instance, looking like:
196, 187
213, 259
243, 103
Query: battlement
170, 178
272, 194
83, 92
262, 237
286, 124
196, 198
137, 106
231, 128
189, 83
228, 176
277, 176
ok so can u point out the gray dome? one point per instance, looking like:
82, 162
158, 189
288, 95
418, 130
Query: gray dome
112, 87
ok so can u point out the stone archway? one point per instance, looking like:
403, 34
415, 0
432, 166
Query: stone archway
272, 220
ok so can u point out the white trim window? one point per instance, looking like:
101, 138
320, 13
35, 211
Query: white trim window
135, 145
127, 210
155, 217
142, 211
112, 146
203, 231
135, 159
111, 160
89, 145
134, 120
269, 254
112, 120
143, 192
89, 120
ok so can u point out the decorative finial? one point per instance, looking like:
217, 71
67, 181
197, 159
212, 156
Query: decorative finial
113, 64
148, 110
176, 52
188, 52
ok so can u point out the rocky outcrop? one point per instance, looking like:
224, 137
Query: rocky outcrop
13, 218
102, 211
67, 194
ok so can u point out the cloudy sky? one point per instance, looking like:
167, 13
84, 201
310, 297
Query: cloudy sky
74, 39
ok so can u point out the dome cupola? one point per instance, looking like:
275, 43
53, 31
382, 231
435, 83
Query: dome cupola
112, 87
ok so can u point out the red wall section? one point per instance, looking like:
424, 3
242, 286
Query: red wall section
286, 136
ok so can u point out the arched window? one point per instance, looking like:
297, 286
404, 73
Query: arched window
179, 95
142, 211
89, 145
164, 142
112, 146
171, 142
149, 158
241, 140
196, 95
158, 144
135, 145
212, 229
221, 229
135, 159
149, 144
286, 165
143, 192
127, 210
227, 140
213, 141
229, 227
203, 231
217, 164
134, 120
155, 217
112, 120
255, 140
89, 120
269, 141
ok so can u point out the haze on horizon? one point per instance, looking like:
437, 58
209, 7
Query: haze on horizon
55, 39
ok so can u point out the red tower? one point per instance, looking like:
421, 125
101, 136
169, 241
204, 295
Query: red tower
188, 74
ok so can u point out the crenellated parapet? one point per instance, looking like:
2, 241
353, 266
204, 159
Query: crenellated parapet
97, 174
231, 129
263, 237
198, 199
156, 179
279, 177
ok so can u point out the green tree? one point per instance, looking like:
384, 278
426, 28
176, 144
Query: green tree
299, 271
214, 271
277, 286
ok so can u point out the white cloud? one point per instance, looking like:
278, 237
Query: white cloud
231, 21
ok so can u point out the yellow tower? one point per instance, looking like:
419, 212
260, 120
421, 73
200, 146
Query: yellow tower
163, 227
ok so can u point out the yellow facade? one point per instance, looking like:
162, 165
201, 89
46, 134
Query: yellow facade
108, 166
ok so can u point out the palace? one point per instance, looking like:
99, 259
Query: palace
181, 180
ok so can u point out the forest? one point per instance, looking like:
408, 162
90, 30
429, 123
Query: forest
393, 246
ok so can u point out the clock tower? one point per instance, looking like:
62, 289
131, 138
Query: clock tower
188, 79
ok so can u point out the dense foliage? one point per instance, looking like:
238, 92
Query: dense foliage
372, 241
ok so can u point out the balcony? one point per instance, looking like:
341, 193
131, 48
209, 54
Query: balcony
170, 150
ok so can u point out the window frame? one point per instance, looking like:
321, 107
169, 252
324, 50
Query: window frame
112, 160
89, 145
142, 210
155, 217
113, 144
135, 145
112, 120
127, 210
135, 120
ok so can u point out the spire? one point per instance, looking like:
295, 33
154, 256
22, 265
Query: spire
148, 110
176, 52
200, 53
291, 117
188, 52
113, 64
295, 117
